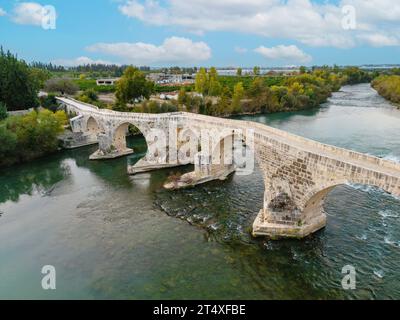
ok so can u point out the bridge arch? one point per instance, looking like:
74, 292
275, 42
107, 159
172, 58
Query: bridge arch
232, 146
124, 129
314, 200
94, 126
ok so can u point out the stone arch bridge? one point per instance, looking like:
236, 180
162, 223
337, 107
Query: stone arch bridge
298, 173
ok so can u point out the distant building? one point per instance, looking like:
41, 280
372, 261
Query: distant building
106, 82
170, 79
169, 96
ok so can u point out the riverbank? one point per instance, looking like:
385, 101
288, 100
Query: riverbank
389, 88
30, 136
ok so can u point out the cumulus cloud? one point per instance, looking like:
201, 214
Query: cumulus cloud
379, 40
28, 13
2, 12
307, 21
172, 50
79, 61
291, 54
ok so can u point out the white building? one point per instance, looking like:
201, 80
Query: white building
106, 82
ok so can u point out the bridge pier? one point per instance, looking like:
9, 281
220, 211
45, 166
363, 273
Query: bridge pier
291, 211
205, 171
110, 150
286, 224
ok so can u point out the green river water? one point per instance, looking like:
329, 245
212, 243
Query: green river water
110, 235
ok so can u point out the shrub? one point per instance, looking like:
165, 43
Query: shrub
49, 102
30, 136
3, 111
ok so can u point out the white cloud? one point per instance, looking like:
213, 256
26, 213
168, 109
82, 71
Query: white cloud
28, 13
306, 21
172, 50
379, 40
2, 12
79, 61
291, 54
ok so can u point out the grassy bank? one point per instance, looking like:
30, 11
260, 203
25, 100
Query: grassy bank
388, 87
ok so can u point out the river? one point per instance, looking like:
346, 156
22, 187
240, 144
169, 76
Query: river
110, 235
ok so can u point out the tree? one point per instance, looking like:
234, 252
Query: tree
182, 97
256, 71
40, 76
49, 102
89, 96
30, 136
238, 93
208, 83
8, 145
239, 72
133, 86
201, 83
61, 85
256, 87
214, 87
223, 102
18, 88
3, 111
303, 69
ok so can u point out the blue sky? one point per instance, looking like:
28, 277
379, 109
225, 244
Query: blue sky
205, 32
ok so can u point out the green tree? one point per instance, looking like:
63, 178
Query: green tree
18, 88
201, 82
239, 72
256, 71
256, 87
214, 87
89, 96
182, 97
238, 94
223, 106
40, 76
133, 86
49, 102
3, 111
8, 146
303, 69
30, 136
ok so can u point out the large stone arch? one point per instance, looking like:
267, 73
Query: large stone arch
120, 131
314, 199
227, 150
94, 126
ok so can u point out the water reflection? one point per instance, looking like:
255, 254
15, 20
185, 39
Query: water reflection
20, 180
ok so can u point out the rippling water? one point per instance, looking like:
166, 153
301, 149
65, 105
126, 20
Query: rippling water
114, 236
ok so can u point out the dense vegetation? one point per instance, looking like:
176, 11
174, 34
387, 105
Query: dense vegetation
19, 84
228, 95
388, 87
225, 96
132, 87
27, 137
